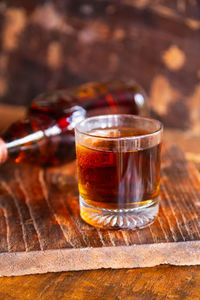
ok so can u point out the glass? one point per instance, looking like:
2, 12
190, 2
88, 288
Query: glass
118, 163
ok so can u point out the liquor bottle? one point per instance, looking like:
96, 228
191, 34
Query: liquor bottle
46, 135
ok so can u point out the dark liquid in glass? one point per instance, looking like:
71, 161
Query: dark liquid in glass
113, 178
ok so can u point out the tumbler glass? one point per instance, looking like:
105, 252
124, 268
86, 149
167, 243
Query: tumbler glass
118, 163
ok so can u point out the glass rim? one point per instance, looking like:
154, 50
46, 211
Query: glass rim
151, 134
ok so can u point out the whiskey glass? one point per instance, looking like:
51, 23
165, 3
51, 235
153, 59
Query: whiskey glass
118, 164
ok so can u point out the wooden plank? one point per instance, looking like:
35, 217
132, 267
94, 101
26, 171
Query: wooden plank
161, 282
44, 232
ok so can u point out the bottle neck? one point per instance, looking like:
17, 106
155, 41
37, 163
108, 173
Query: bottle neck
33, 137
27, 141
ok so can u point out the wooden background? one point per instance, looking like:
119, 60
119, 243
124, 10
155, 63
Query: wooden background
46, 45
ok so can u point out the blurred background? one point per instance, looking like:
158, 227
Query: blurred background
48, 45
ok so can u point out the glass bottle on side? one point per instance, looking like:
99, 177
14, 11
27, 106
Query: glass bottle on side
46, 135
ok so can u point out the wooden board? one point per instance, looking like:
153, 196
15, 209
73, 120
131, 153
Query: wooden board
160, 283
41, 230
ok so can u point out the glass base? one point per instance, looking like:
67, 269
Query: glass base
133, 218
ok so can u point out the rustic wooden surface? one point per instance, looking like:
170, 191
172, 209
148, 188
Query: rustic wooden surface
161, 282
41, 230
153, 42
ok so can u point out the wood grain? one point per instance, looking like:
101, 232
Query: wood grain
43, 232
160, 283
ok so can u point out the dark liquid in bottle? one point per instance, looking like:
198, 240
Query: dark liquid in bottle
46, 135
113, 178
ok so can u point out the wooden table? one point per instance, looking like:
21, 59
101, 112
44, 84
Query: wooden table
161, 282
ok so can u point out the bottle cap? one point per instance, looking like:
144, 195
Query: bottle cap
3, 151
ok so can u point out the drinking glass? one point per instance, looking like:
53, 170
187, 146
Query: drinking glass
118, 163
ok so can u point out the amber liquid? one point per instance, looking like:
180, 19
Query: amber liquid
116, 179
